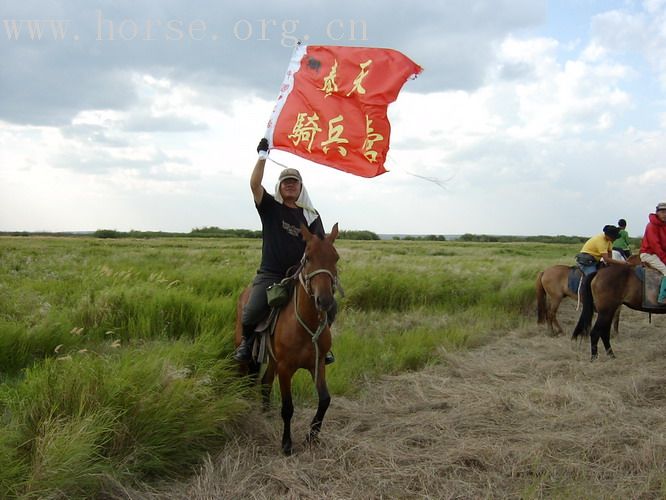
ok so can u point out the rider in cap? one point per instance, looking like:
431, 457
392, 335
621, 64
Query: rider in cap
282, 248
653, 246
598, 247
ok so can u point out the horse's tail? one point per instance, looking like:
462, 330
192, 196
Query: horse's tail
585, 320
541, 300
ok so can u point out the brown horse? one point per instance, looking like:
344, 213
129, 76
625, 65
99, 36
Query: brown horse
302, 336
606, 290
552, 285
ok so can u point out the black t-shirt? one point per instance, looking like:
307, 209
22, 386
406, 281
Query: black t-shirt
283, 245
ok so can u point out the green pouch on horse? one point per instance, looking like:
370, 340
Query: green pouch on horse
278, 293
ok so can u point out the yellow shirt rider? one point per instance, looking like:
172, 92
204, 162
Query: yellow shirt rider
596, 248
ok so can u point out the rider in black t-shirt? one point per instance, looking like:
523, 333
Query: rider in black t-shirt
281, 218
282, 243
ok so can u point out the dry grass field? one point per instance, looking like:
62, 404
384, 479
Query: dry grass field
524, 416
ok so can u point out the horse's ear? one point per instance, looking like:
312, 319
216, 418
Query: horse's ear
334, 233
305, 232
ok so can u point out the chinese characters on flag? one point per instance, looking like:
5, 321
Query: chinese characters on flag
332, 106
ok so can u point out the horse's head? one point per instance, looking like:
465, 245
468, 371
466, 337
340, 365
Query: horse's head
319, 273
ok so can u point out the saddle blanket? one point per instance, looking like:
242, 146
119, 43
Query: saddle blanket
575, 275
651, 284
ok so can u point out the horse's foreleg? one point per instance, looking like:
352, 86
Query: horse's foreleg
605, 337
601, 329
594, 340
267, 385
287, 409
324, 402
616, 322
553, 324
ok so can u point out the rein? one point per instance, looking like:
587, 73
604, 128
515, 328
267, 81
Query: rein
304, 280
322, 320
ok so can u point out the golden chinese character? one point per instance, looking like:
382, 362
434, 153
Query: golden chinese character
370, 138
359, 78
305, 130
329, 82
334, 136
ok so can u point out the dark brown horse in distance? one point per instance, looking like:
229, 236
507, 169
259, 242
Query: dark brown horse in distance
553, 285
606, 290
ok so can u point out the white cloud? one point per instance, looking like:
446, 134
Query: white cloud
649, 177
629, 32
505, 132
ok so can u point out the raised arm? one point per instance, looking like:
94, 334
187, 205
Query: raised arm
258, 172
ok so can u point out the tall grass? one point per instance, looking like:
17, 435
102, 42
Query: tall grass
114, 354
138, 414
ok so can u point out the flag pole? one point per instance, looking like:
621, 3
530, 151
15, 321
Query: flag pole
285, 89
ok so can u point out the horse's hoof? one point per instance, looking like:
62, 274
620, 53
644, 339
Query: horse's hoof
311, 439
287, 449
593, 357
611, 354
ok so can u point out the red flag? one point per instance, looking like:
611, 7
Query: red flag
332, 106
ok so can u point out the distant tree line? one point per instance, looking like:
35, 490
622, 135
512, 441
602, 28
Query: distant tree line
636, 242
534, 239
43, 233
358, 235
430, 237
203, 232
216, 232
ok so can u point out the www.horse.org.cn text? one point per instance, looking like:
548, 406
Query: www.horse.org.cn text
288, 32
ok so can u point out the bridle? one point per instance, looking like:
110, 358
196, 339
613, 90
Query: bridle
306, 278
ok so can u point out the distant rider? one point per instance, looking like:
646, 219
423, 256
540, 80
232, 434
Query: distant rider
621, 243
653, 246
597, 248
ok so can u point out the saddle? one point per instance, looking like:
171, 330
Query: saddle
651, 279
263, 331
278, 295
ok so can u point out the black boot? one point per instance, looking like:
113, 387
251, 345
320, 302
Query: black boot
329, 358
243, 352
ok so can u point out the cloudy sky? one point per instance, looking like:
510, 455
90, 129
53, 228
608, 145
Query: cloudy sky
531, 117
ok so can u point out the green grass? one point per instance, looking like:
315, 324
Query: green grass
135, 414
115, 354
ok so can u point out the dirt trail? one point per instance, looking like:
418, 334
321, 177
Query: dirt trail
526, 416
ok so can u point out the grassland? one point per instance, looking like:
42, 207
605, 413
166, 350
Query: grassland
115, 354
